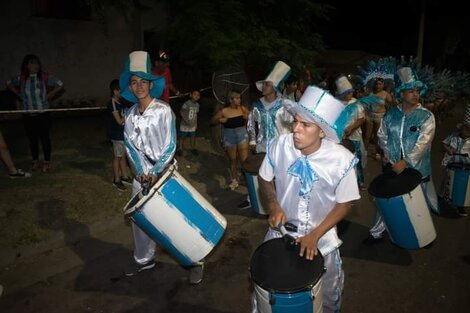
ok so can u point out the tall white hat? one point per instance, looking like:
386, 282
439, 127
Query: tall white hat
406, 78
279, 73
318, 106
343, 86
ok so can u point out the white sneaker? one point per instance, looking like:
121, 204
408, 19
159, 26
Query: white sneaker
234, 184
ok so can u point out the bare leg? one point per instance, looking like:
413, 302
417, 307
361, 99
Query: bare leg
368, 132
232, 156
116, 163
123, 166
6, 157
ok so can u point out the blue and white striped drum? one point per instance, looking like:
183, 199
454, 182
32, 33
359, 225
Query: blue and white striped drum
458, 184
177, 216
284, 281
251, 168
402, 204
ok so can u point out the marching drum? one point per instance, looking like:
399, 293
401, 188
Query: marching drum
284, 281
402, 204
251, 168
458, 184
176, 215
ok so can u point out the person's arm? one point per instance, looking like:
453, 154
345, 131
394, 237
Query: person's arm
267, 193
218, 118
13, 85
168, 127
382, 139
449, 150
245, 111
353, 126
51, 94
423, 144
308, 243
251, 127
116, 114
173, 89
58, 87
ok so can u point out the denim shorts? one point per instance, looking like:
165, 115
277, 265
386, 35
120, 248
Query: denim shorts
118, 148
235, 136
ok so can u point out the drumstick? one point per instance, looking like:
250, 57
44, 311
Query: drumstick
289, 239
461, 154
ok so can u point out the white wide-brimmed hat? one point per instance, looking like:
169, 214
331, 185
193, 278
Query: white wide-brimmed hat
138, 63
343, 86
279, 74
318, 106
406, 78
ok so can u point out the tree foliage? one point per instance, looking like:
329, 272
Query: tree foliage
216, 32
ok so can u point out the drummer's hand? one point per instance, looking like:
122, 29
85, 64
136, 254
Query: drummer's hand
276, 217
308, 245
399, 166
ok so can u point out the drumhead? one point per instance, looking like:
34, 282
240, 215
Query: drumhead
278, 269
459, 166
389, 184
253, 163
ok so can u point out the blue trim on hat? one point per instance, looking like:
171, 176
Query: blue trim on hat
344, 93
412, 85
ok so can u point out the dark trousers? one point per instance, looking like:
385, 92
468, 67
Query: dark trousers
38, 128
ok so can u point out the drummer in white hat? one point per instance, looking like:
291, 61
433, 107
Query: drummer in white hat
268, 117
405, 135
350, 122
315, 185
150, 139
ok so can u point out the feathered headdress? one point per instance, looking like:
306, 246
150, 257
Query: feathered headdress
384, 68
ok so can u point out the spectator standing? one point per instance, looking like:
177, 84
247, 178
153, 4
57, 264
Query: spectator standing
115, 129
162, 68
233, 118
35, 87
188, 125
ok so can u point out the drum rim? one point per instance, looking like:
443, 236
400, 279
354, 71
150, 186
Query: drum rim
132, 205
308, 286
458, 166
373, 191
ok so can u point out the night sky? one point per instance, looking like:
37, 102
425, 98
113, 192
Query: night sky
393, 29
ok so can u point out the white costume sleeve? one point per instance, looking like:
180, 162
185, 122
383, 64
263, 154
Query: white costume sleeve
423, 144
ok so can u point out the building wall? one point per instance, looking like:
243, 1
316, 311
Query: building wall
86, 55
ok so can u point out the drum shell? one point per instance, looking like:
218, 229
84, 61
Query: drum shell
251, 168
458, 184
303, 301
274, 260
408, 219
178, 217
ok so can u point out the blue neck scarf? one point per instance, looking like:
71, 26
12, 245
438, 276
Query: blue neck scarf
302, 169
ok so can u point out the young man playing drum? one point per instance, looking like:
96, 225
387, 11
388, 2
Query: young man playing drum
405, 135
315, 185
268, 118
150, 139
